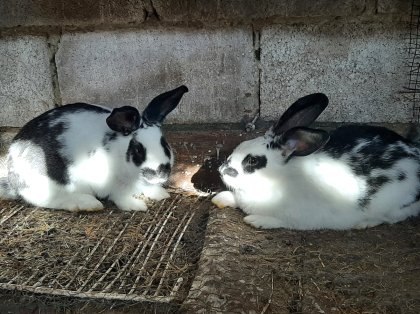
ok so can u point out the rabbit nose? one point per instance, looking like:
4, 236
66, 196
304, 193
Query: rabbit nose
162, 172
229, 171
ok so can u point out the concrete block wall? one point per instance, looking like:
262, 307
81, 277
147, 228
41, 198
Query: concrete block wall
238, 58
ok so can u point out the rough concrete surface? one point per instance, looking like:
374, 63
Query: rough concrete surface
92, 12
204, 10
359, 66
394, 6
130, 68
25, 79
66, 12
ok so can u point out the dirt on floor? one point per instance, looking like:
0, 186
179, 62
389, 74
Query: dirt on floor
244, 270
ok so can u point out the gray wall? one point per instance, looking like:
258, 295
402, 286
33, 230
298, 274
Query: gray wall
237, 57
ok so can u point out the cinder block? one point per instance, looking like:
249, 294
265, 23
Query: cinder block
71, 12
208, 11
25, 80
359, 66
130, 68
122, 12
395, 6
27, 13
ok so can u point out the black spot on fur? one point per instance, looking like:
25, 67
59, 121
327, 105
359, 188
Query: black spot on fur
402, 176
81, 107
109, 137
45, 136
382, 150
417, 199
346, 137
252, 163
44, 132
275, 143
162, 172
136, 153
166, 147
378, 182
148, 173
374, 184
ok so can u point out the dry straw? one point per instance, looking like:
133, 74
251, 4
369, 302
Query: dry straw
111, 255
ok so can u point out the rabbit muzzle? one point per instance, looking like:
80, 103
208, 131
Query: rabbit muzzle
156, 176
226, 170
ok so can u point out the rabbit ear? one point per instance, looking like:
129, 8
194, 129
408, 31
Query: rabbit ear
124, 119
163, 104
301, 113
303, 141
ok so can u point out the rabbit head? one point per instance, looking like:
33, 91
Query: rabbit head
147, 153
253, 163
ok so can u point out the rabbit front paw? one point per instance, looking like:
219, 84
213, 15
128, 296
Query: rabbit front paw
81, 202
131, 203
155, 192
224, 199
263, 222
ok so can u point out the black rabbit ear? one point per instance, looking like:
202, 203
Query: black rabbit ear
162, 105
124, 120
301, 113
303, 141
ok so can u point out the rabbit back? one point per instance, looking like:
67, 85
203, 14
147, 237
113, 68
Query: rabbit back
387, 164
43, 152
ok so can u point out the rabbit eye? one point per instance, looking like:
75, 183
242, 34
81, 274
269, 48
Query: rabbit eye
136, 153
252, 163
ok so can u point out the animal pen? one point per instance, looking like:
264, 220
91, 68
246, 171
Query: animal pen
244, 62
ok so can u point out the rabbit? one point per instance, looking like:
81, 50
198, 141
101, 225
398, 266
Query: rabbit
297, 177
70, 156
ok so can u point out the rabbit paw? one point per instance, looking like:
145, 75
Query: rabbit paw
155, 192
224, 199
263, 222
83, 202
131, 204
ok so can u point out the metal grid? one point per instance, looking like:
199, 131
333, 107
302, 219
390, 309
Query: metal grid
413, 88
112, 255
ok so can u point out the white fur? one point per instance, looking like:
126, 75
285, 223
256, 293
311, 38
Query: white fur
314, 192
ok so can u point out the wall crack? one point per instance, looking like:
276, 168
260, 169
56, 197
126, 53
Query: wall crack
256, 42
152, 12
53, 42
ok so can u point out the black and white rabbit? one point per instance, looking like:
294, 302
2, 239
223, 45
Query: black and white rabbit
301, 178
69, 156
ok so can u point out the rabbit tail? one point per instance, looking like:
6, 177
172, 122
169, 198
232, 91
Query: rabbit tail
6, 191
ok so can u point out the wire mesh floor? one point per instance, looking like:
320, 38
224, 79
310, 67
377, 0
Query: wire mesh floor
413, 60
112, 255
